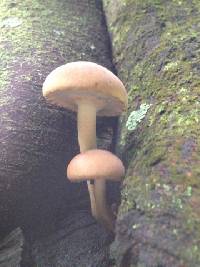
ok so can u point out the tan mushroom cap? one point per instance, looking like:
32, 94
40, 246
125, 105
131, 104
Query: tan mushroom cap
68, 84
95, 164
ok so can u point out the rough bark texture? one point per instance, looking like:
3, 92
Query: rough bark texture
156, 48
11, 249
74, 242
37, 140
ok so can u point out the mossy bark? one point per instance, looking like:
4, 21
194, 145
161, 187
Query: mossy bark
37, 140
156, 48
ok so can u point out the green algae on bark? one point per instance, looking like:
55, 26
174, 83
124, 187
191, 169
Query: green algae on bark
156, 48
37, 139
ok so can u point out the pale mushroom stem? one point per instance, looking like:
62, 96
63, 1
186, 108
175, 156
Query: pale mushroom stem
86, 122
86, 126
104, 213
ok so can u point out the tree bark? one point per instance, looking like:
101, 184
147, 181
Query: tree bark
11, 249
37, 139
156, 46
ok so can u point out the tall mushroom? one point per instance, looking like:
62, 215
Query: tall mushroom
87, 164
90, 90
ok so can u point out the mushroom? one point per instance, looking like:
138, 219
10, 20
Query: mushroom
90, 90
103, 165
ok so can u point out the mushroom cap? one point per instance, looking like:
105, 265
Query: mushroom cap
95, 164
68, 84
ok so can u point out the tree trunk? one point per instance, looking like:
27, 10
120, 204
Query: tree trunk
37, 139
156, 48
11, 249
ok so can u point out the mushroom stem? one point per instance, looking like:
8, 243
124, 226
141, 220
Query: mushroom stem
86, 123
92, 199
104, 214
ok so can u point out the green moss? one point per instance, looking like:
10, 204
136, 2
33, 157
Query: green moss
156, 51
35, 14
3, 79
31, 29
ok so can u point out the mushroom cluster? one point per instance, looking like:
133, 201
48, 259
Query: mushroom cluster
91, 90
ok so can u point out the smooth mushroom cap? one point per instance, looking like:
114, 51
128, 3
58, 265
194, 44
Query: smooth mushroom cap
70, 83
95, 164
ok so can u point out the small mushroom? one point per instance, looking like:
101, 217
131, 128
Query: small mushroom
100, 165
90, 90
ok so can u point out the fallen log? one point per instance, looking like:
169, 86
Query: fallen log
156, 47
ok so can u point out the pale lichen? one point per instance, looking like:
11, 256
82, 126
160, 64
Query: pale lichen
136, 116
